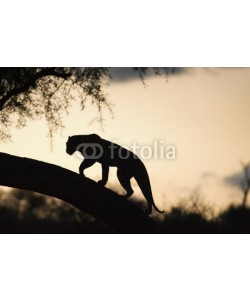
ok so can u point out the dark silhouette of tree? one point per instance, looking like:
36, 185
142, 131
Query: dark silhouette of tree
35, 93
245, 185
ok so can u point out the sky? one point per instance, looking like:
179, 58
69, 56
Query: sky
202, 112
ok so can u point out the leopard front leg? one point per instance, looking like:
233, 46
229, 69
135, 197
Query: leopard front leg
85, 164
105, 174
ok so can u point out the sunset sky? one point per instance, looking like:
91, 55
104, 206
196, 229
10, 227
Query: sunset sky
203, 113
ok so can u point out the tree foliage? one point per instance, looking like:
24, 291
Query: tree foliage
36, 93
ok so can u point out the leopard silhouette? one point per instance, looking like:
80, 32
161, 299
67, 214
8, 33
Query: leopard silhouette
108, 154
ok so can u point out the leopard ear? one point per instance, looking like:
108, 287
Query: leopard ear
69, 136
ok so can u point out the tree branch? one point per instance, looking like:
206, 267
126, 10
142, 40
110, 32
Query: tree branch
31, 82
79, 191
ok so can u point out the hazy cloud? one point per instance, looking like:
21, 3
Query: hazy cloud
127, 73
235, 179
208, 175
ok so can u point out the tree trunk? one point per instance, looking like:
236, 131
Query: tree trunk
79, 191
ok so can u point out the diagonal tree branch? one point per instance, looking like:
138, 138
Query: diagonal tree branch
79, 191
